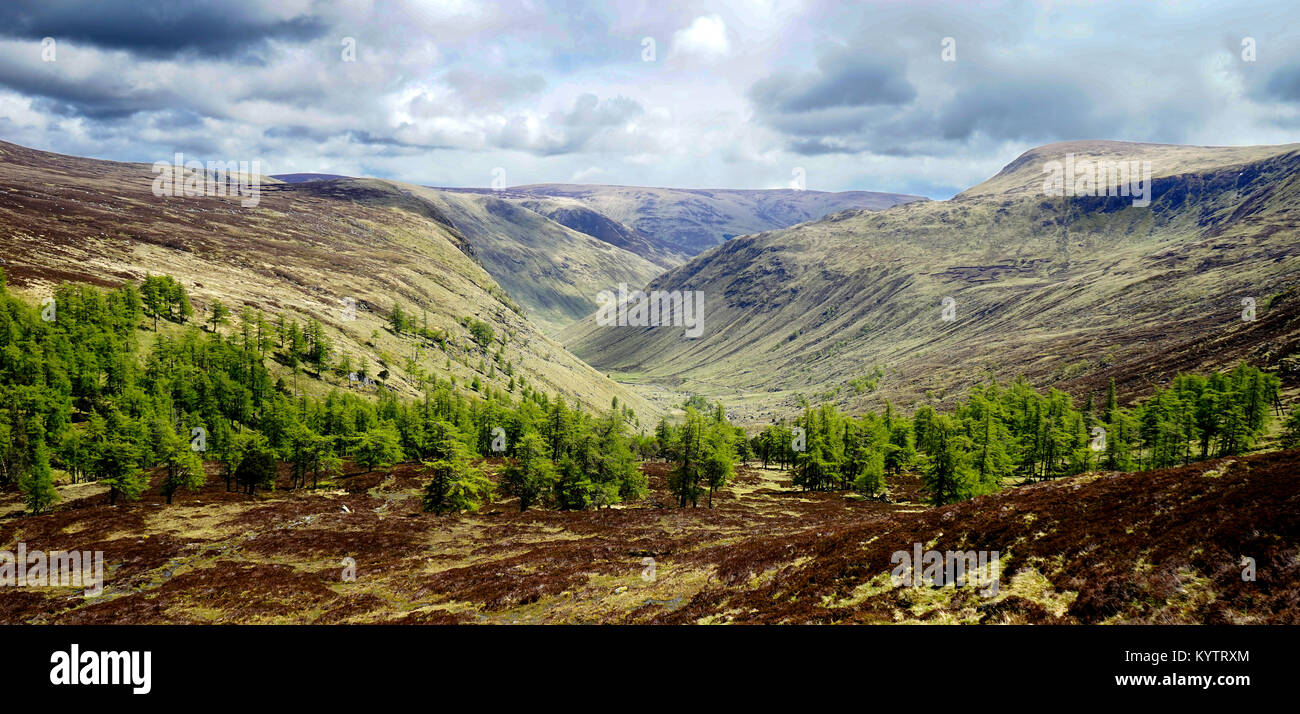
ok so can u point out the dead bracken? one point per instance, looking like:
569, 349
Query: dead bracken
1152, 547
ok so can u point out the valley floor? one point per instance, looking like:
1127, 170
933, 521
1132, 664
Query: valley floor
1162, 546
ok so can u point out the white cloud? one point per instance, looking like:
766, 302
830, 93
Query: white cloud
705, 38
585, 175
856, 94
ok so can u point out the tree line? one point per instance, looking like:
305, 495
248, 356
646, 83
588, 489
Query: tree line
82, 393
79, 391
999, 433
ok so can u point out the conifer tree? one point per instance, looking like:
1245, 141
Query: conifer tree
37, 485
532, 475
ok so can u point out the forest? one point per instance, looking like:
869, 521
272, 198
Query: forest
80, 392
1013, 434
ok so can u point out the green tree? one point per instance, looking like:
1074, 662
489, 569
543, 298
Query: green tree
532, 475
574, 489
689, 453
397, 319
948, 476
258, 466
870, 479
184, 470
219, 314
455, 486
718, 462
379, 447
116, 464
37, 485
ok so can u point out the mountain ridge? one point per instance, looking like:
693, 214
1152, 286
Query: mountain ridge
1067, 291
302, 250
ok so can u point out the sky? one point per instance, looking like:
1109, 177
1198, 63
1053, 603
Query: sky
907, 97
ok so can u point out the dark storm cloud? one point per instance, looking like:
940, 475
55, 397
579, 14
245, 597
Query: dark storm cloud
104, 99
212, 28
1283, 84
1025, 109
844, 78
860, 99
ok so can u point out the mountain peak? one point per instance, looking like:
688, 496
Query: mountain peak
1027, 171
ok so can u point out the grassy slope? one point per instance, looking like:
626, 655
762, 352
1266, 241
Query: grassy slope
1131, 293
553, 271
302, 250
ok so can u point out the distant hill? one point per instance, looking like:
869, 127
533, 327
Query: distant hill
303, 178
575, 215
693, 220
1067, 291
551, 269
573, 241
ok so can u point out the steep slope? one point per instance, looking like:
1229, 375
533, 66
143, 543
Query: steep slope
552, 258
553, 271
305, 250
692, 220
575, 215
1068, 291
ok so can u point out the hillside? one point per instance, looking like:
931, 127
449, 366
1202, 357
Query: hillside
304, 250
551, 258
693, 220
1152, 547
683, 222
1067, 291
550, 269
573, 214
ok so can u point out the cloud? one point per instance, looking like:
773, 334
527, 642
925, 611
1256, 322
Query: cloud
845, 77
442, 92
705, 38
225, 28
493, 90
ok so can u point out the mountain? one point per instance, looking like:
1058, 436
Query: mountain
575, 215
553, 271
306, 249
692, 220
1069, 292
551, 259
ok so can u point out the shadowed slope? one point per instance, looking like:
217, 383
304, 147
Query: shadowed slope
1068, 292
